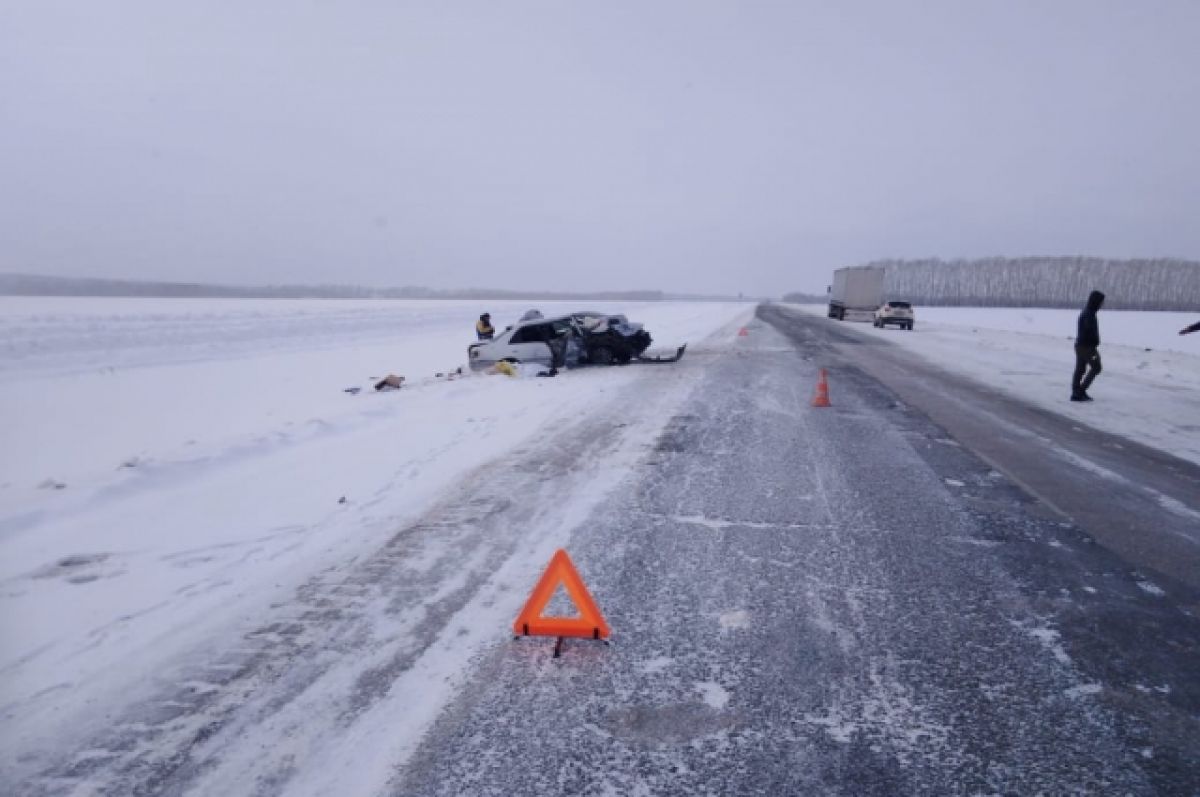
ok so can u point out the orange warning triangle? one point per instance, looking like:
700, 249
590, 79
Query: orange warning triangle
589, 624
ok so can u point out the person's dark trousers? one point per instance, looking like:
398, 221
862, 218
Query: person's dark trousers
1087, 358
558, 351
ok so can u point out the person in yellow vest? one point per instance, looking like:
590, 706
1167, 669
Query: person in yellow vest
483, 327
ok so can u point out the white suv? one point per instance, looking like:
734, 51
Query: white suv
898, 313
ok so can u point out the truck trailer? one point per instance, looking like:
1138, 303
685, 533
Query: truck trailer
856, 288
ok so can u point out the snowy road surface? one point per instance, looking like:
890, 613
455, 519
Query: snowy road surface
841, 601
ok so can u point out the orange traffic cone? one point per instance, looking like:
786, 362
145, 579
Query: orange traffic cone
743, 332
822, 397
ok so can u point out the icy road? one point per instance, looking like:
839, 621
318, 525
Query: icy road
882, 597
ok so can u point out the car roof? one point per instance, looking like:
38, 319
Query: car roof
563, 317
544, 320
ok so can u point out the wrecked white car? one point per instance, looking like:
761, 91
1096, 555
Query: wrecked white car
580, 338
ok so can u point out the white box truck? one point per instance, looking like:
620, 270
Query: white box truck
855, 289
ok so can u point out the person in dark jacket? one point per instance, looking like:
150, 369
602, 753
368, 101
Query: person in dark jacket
483, 327
1188, 330
1087, 348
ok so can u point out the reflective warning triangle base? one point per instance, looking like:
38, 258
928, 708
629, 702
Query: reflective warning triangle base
588, 625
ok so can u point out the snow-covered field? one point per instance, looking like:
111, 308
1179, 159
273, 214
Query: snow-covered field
171, 467
1149, 390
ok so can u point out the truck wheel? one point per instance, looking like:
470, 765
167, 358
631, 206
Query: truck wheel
602, 355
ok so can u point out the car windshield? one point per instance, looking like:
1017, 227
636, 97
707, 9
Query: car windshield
899, 305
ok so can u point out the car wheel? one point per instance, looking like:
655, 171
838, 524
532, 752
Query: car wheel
910, 326
602, 355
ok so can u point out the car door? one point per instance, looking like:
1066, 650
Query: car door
486, 352
528, 344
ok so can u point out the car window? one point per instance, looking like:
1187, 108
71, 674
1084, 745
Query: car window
901, 305
532, 334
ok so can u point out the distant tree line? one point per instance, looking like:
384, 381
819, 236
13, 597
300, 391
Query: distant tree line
1143, 284
33, 285
797, 297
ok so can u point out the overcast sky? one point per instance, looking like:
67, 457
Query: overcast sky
701, 146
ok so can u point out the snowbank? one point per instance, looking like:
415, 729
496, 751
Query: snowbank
1141, 329
1149, 390
93, 386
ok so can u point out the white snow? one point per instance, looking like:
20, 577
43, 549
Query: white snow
1177, 507
889, 712
1084, 690
713, 694
204, 448
1050, 640
1135, 328
1150, 588
721, 524
655, 665
1149, 390
734, 619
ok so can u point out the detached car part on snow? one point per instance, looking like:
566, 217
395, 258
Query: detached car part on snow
582, 338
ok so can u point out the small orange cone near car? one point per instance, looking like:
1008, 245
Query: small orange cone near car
822, 397
588, 625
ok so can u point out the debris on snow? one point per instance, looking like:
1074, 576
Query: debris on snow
390, 382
